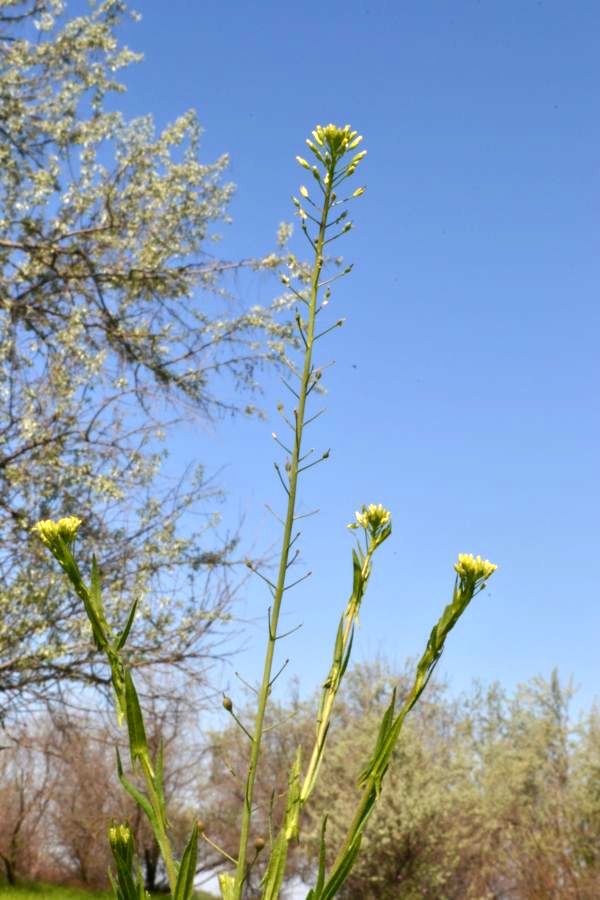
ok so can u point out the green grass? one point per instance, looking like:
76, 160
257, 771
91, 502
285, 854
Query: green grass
56, 892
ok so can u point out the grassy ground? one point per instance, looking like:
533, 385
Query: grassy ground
55, 892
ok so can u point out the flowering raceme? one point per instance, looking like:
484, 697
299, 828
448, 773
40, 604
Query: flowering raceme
50, 532
474, 568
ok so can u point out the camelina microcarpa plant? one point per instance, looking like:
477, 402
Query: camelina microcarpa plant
323, 214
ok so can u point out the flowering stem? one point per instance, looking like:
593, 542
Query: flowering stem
332, 683
158, 826
306, 382
471, 576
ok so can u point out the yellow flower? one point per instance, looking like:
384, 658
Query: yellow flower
49, 532
373, 518
474, 568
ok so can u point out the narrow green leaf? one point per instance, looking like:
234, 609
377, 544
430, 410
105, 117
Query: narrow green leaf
384, 729
184, 888
339, 644
309, 785
138, 745
292, 815
273, 877
95, 589
356, 576
346, 659
341, 871
322, 852
275, 873
137, 795
159, 780
121, 640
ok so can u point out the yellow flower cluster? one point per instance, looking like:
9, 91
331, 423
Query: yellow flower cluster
337, 140
49, 531
372, 518
332, 142
474, 568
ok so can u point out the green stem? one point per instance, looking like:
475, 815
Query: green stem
327, 708
265, 688
160, 831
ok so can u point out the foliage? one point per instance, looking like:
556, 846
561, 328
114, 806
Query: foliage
55, 892
59, 792
469, 807
488, 795
114, 321
334, 151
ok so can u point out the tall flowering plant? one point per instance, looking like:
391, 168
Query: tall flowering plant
323, 212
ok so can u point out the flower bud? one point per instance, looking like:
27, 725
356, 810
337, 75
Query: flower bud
53, 533
259, 844
359, 192
304, 192
302, 162
228, 704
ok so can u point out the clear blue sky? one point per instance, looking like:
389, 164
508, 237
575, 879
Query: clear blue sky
464, 395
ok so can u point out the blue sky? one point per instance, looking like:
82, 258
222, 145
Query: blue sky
464, 395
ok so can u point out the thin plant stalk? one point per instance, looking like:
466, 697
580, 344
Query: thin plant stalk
306, 379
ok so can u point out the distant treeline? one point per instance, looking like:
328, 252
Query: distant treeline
490, 796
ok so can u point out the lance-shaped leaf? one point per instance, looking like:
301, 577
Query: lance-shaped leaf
184, 888
274, 875
141, 800
385, 726
338, 877
122, 638
159, 782
315, 892
138, 745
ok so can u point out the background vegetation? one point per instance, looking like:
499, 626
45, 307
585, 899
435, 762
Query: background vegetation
489, 795
117, 319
